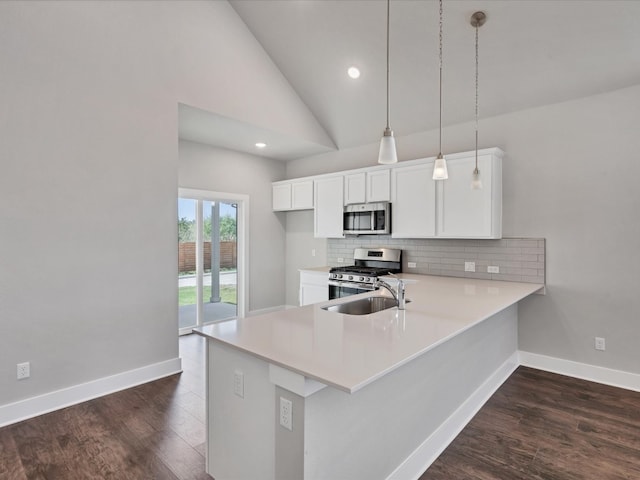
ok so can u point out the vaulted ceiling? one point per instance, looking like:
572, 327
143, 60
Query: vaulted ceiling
532, 53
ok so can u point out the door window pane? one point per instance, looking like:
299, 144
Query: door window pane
220, 261
187, 278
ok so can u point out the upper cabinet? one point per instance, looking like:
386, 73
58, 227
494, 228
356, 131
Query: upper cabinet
328, 197
420, 206
413, 201
293, 195
369, 186
467, 213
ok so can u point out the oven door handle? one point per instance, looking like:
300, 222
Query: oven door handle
361, 286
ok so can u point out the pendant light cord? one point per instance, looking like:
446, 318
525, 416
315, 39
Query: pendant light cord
388, 103
440, 63
477, 63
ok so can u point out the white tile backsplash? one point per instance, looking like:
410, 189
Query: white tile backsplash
519, 259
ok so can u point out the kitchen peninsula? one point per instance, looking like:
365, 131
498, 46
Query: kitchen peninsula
371, 396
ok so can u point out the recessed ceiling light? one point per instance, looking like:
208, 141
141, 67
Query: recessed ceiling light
261, 145
353, 72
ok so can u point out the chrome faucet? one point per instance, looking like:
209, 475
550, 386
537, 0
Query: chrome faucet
397, 293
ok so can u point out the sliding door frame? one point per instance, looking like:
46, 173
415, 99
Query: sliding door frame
242, 236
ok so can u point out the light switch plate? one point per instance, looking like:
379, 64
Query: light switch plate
469, 266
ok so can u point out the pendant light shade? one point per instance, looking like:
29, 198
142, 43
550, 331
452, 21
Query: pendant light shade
476, 181
440, 166
440, 169
388, 148
387, 152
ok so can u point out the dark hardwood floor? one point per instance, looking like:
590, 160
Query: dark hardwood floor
154, 431
537, 426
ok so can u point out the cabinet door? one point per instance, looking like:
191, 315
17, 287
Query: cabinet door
413, 210
328, 196
282, 196
467, 213
313, 294
355, 188
379, 186
302, 195
314, 287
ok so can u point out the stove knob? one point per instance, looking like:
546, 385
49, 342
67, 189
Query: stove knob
362, 279
339, 275
350, 277
368, 279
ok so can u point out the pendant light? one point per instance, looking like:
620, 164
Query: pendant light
388, 143
477, 20
440, 167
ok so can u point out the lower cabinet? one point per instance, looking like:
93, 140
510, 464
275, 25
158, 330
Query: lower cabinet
314, 287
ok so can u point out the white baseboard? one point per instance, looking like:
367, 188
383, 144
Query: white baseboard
584, 371
416, 464
34, 406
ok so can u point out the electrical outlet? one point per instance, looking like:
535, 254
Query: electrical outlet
493, 269
600, 343
469, 266
238, 383
24, 370
412, 265
313, 252
340, 260
286, 413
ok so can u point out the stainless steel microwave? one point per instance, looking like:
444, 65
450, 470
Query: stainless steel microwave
367, 219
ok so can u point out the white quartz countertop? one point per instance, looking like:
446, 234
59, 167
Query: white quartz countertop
324, 269
350, 351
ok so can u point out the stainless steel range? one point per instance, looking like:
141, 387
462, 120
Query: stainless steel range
370, 263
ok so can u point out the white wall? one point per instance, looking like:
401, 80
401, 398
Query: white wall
88, 184
300, 244
208, 168
570, 176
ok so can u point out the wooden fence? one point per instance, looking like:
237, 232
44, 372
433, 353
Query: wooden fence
187, 256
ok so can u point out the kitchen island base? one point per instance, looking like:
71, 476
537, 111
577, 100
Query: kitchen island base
394, 427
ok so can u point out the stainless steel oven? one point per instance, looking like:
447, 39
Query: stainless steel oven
370, 263
339, 289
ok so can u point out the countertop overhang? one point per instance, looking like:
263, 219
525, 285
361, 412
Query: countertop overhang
348, 352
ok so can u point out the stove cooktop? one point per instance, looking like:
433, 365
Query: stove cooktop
355, 269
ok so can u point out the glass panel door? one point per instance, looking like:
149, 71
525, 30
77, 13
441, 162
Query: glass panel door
208, 261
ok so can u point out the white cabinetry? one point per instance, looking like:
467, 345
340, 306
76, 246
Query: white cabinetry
293, 195
467, 213
413, 197
328, 201
372, 186
421, 207
314, 287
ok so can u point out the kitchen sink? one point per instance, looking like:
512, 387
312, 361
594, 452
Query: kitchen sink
364, 306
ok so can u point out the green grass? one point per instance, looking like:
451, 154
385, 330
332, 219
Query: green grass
187, 295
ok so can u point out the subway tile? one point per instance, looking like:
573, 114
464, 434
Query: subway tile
522, 243
530, 279
506, 278
532, 251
